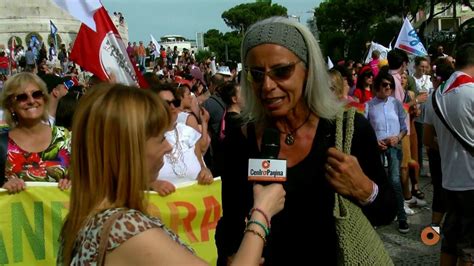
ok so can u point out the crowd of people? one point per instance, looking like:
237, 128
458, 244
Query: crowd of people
197, 120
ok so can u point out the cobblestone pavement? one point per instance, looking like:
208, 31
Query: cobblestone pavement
407, 249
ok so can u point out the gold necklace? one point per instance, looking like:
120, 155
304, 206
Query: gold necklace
290, 136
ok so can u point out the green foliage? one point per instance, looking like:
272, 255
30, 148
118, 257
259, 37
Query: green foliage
202, 55
362, 21
28, 38
385, 32
217, 42
239, 18
18, 41
233, 40
332, 44
59, 40
242, 16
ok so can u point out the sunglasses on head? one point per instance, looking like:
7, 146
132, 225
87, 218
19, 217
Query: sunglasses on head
22, 97
386, 84
175, 102
278, 73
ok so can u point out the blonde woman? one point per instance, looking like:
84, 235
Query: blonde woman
117, 152
36, 151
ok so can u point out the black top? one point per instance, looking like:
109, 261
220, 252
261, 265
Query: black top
308, 194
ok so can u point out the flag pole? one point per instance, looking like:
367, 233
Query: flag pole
56, 44
51, 26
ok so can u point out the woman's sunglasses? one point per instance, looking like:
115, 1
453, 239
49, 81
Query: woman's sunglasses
23, 97
386, 85
175, 102
279, 73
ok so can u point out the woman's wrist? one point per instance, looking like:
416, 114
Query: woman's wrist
260, 214
373, 195
258, 225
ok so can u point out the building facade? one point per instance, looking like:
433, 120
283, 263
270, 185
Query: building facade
25, 18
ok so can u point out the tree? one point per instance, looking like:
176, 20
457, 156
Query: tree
202, 55
242, 16
361, 21
217, 42
239, 18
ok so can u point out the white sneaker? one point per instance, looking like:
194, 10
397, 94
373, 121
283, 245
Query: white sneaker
415, 202
408, 210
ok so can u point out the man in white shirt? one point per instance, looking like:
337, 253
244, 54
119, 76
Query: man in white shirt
455, 99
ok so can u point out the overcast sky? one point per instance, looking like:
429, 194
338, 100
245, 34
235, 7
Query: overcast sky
187, 17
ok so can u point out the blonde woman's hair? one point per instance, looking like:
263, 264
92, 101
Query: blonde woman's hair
316, 92
19, 82
337, 83
108, 166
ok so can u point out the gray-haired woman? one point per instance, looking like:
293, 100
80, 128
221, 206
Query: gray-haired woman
286, 87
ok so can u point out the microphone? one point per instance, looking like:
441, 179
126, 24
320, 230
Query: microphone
268, 167
270, 146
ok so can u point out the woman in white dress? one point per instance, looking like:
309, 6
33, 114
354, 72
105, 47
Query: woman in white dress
184, 163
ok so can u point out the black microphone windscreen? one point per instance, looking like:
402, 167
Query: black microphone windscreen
270, 147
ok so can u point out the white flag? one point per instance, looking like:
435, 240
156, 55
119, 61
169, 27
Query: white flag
330, 64
409, 41
375, 46
82, 10
157, 45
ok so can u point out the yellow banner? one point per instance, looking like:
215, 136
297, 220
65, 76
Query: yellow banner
30, 222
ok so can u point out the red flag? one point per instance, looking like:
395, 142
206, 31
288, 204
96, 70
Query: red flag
103, 52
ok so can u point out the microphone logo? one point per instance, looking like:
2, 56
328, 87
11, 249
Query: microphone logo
272, 170
266, 164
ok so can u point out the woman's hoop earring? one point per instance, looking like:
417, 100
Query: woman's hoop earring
14, 117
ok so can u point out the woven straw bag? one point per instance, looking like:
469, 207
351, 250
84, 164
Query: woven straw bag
358, 243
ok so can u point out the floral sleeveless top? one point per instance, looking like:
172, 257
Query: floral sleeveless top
49, 165
127, 225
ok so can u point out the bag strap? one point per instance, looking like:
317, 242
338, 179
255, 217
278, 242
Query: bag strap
344, 141
104, 236
3, 154
466, 146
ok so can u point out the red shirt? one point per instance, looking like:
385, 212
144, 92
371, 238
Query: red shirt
4, 62
363, 95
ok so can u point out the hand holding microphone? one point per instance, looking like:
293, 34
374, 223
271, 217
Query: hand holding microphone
268, 168
270, 199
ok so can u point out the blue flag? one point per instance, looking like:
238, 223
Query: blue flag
53, 28
409, 41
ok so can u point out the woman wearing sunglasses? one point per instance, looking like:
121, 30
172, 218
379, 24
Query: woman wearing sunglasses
387, 117
36, 151
285, 86
110, 179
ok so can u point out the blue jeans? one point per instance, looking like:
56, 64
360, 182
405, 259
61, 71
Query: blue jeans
141, 61
394, 157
